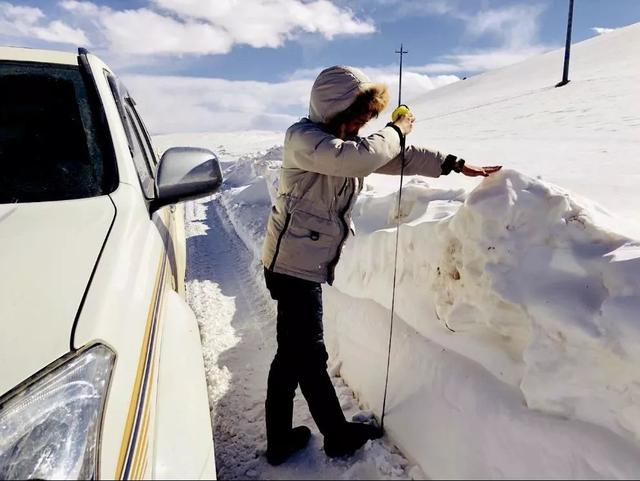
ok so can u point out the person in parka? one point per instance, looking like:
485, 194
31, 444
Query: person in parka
322, 173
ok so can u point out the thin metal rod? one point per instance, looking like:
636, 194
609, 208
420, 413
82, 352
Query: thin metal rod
395, 259
393, 296
402, 51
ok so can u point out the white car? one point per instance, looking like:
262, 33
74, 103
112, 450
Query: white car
101, 368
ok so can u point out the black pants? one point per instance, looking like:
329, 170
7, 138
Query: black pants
301, 359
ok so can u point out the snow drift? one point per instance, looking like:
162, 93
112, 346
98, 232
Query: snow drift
518, 332
522, 268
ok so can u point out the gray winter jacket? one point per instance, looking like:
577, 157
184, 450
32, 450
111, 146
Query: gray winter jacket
322, 176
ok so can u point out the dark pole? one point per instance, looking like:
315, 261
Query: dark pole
402, 51
395, 261
567, 48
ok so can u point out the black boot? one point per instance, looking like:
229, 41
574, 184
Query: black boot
278, 453
352, 438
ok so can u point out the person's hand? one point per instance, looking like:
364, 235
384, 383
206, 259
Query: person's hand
471, 171
405, 123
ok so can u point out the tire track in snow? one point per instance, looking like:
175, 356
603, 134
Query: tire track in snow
237, 326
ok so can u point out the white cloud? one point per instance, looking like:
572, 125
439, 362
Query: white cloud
268, 23
442, 80
24, 15
414, 84
516, 25
83, 8
481, 60
19, 21
58, 31
144, 32
516, 28
478, 60
202, 27
392, 10
438, 68
602, 30
187, 104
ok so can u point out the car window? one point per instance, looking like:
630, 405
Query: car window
52, 143
145, 133
141, 156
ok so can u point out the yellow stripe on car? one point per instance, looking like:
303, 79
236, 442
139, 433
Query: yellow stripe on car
142, 446
127, 440
134, 446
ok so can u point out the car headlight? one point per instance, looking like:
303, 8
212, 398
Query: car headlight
51, 429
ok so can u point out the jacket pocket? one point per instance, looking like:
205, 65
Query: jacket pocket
310, 242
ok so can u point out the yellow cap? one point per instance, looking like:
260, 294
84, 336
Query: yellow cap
399, 111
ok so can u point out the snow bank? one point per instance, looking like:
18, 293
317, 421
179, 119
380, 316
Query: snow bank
517, 280
520, 267
252, 188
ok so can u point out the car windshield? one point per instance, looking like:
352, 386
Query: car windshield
52, 143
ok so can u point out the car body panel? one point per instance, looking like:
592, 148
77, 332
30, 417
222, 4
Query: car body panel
180, 248
180, 388
115, 303
21, 54
123, 309
48, 253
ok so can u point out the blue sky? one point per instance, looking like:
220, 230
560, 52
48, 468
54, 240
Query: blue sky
251, 62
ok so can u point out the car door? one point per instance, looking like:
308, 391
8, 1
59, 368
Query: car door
171, 217
169, 445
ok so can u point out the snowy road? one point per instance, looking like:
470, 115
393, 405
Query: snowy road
237, 324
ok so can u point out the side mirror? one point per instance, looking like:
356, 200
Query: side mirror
186, 173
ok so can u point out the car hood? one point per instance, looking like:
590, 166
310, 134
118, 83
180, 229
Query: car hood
47, 253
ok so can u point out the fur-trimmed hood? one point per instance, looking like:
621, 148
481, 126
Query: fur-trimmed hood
336, 88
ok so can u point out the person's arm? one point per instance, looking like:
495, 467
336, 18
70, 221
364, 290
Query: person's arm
310, 148
422, 161
418, 161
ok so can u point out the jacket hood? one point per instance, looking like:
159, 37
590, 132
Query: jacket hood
335, 89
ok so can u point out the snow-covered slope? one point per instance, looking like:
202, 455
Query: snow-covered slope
583, 136
516, 336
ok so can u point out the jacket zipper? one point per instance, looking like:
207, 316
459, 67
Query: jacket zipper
334, 262
346, 181
284, 229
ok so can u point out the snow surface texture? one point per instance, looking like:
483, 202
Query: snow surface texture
540, 297
516, 335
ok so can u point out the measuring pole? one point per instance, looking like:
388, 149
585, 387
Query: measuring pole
401, 52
